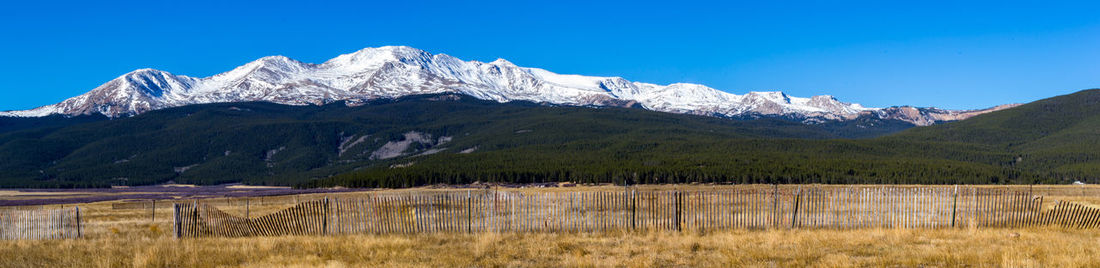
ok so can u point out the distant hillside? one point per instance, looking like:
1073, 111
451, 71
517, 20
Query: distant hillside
1048, 141
8, 124
1058, 137
427, 139
263, 143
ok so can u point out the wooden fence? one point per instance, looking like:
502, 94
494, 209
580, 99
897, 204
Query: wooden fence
40, 223
633, 209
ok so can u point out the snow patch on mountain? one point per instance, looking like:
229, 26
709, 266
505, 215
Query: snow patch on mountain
399, 148
346, 143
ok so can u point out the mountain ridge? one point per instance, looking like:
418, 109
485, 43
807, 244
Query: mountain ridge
396, 71
454, 138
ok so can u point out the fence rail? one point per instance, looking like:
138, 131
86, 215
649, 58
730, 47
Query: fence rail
633, 209
40, 223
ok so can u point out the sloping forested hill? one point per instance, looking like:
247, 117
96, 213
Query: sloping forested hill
456, 139
10, 124
1057, 137
1049, 141
263, 143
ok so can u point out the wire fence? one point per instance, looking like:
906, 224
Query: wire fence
630, 208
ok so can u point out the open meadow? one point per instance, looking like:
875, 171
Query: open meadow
125, 233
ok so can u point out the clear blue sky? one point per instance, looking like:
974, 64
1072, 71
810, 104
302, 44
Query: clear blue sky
878, 53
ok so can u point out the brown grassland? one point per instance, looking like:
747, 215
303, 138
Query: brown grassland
127, 238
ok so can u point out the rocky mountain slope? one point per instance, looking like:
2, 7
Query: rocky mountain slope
395, 71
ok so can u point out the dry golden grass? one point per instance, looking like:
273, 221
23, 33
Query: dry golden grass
797, 248
127, 238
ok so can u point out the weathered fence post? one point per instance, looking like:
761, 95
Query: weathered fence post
679, 214
514, 198
194, 217
324, 218
775, 206
336, 215
633, 209
176, 219
796, 199
954, 204
1039, 211
79, 225
469, 213
153, 214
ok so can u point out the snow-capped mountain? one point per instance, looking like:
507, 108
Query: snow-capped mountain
395, 71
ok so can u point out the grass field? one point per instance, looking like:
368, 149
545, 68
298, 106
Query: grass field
127, 238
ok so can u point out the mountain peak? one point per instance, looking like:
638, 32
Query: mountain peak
274, 59
396, 48
502, 62
144, 72
375, 57
396, 52
777, 96
275, 62
686, 85
774, 93
147, 81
